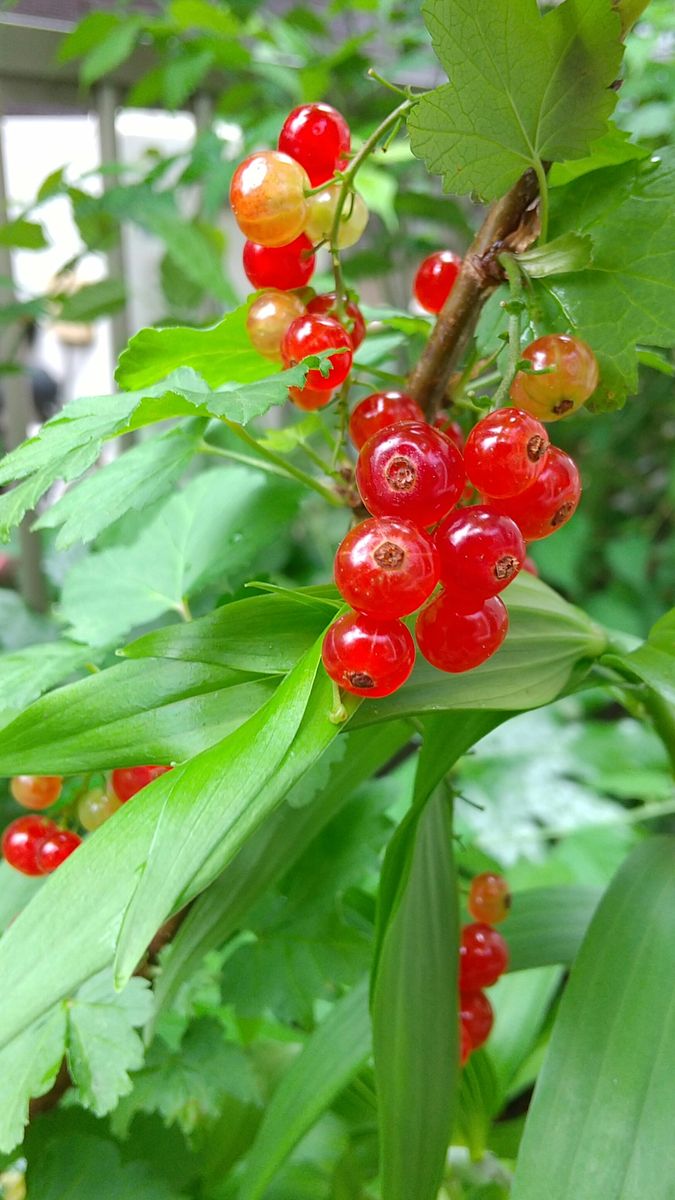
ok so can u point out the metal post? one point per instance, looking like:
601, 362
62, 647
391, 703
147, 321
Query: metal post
18, 405
106, 106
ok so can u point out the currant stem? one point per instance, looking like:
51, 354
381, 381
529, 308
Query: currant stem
516, 285
543, 200
285, 467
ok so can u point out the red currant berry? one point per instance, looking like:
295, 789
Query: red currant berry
489, 898
378, 411
317, 136
268, 319
127, 781
267, 195
311, 334
573, 379
55, 849
480, 552
411, 471
549, 502
505, 452
368, 656
386, 567
530, 566
483, 957
21, 841
36, 791
353, 322
451, 429
476, 1016
308, 399
459, 641
435, 279
282, 267
465, 1046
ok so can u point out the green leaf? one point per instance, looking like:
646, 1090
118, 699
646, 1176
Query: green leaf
135, 480
653, 662
148, 711
611, 1051
200, 14
28, 1068
570, 252
91, 30
610, 150
15, 892
547, 925
111, 50
188, 1084
221, 352
415, 1026
547, 639
218, 526
93, 300
269, 853
254, 767
524, 89
621, 299
183, 76
23, 235
521, 1002
330, 1059
266, 634
27, 673
102, 1044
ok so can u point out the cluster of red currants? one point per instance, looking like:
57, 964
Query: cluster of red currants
36, 845
286, 202
411, 476
483, 957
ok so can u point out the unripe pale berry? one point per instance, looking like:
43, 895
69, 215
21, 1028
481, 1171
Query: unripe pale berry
36, 791
321, 215
96, 806
558, 392
268, 319
267, 196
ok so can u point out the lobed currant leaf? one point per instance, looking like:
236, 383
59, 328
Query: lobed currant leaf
524, 88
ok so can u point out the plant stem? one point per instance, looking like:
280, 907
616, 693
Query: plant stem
246, 459
476, 281
347, 181
543, 201
285, 467
516, 285
663, 719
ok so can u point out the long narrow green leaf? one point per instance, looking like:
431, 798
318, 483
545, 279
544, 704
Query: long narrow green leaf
269, 853
330, 1059
601, 1121
546, 926
415, 1025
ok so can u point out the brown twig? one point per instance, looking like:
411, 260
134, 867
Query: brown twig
509, 225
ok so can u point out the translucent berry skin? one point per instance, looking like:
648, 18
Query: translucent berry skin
267, 196
459, 641
308, 399
368, 656
317, 136
353, 322
411, 471
476, 1016
574, 379
483, 957
55, 849
127, 781
95, 807
36, 791
480, 552
268, 319
549, 502
386, 567
489, 898
21, 841
310, 334
380, 410
281, 267
451, 429
505, 452
321, 216
435, 279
